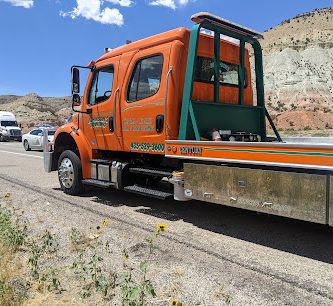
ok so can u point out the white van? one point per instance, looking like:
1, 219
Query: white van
9, 129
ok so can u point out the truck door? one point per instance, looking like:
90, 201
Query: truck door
101, 96
143, 101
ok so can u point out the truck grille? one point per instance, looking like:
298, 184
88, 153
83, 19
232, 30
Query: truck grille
15, 133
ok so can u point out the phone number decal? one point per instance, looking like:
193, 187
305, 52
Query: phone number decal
147, 147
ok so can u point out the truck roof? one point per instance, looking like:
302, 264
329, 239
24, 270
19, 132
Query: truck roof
181, 34
225, 23
7, 115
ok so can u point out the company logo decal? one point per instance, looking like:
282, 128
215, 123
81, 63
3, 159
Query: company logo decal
98, 122
191, 151
138, 125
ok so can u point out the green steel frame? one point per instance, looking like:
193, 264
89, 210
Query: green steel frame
193, 113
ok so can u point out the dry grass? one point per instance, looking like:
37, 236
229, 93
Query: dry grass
12, 288
223, 295
47, 299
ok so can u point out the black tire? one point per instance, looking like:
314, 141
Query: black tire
26, 145
77, 186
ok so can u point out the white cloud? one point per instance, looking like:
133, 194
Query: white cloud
183, 2
91, 9
173, 4
126, 3
207, 32
231, 39
168, 3
23, 3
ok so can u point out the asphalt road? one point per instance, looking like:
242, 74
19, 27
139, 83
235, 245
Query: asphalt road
260, 259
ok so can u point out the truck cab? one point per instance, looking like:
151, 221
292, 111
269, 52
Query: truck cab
9, 129
134, 93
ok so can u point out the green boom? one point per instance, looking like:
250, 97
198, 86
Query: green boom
198, 118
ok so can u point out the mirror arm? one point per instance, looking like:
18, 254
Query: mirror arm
88, 111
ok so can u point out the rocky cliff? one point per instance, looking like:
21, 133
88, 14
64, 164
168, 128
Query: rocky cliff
31, 110
298, 65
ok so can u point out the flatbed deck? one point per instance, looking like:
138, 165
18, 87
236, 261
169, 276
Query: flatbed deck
278, 154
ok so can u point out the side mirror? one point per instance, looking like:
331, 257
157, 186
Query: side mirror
75, 81
76, 100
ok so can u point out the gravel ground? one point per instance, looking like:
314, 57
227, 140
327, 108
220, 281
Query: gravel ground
208, 253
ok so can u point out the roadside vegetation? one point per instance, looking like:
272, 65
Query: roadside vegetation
29, 274
12, 236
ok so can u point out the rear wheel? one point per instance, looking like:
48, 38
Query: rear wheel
26, 145
70, 173
2, 138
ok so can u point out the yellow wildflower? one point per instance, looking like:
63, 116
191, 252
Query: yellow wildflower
7, 195
105, 223
175, 303
161, 227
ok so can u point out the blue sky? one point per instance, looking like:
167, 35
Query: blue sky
41, 39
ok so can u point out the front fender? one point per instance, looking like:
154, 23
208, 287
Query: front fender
69, 138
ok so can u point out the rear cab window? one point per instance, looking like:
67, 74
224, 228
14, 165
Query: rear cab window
229, 72
146, 78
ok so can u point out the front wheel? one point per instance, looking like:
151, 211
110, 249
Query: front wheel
70, 173
26, 145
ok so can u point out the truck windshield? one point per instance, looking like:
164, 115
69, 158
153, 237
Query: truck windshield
8, 123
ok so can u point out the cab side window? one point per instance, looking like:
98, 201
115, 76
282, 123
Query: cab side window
146, 78
101, 85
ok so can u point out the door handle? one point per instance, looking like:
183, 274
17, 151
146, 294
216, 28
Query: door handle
111, 124
159, 123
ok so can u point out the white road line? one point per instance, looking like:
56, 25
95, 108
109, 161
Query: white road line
22, 154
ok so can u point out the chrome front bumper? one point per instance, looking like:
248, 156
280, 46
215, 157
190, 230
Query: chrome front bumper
47, 153
48, 161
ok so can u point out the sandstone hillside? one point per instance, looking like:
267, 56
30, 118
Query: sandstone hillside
31, 110
298, 64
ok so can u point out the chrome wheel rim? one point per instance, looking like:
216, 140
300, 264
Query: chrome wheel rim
26, 145
66, 173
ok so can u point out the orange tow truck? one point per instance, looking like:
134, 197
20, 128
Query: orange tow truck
182, 114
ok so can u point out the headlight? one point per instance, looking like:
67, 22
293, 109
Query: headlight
5, 132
